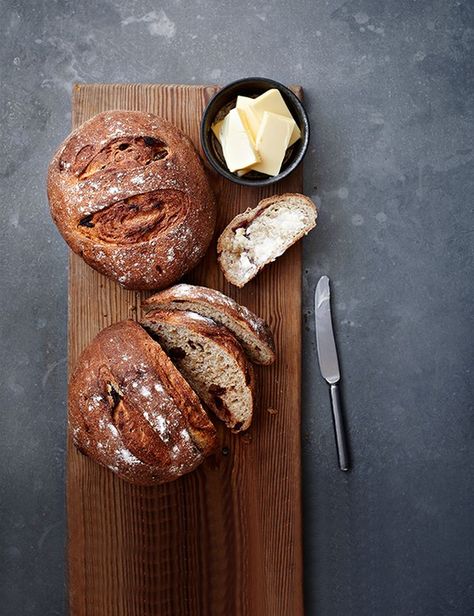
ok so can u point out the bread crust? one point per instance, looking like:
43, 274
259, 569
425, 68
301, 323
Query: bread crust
130, 409
196, 298
128, 192
219, 335
245, 218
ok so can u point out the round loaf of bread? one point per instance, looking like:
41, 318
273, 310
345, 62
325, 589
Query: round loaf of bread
130, 409
129, 194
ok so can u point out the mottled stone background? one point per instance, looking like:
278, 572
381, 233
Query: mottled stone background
389, 88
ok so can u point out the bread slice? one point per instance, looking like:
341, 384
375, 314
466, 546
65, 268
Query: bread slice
252, 332
210, 359
260, 235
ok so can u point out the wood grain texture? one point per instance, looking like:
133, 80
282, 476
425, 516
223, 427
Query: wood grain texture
226, 539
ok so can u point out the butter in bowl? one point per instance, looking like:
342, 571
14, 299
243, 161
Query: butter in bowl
255, 131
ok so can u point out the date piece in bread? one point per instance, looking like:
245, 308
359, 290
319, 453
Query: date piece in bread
129, 194
251, 331
130, 409
211, 360
260, 235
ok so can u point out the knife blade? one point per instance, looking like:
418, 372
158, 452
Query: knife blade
329, 365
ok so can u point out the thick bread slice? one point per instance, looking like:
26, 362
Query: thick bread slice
260, 235
251, 331
131, 410
211, 360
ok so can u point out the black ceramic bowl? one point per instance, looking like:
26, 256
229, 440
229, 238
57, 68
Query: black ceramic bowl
219, 106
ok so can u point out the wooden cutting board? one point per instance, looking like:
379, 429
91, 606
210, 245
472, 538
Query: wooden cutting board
226, 539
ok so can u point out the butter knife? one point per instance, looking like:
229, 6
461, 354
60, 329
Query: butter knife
329, 365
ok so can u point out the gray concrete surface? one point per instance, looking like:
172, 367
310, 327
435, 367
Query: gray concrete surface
389, 88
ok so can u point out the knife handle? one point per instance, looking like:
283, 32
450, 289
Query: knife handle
339, 431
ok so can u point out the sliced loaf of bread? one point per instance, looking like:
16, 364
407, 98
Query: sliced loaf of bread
251, 331
132, 411
260, 235
210, 359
